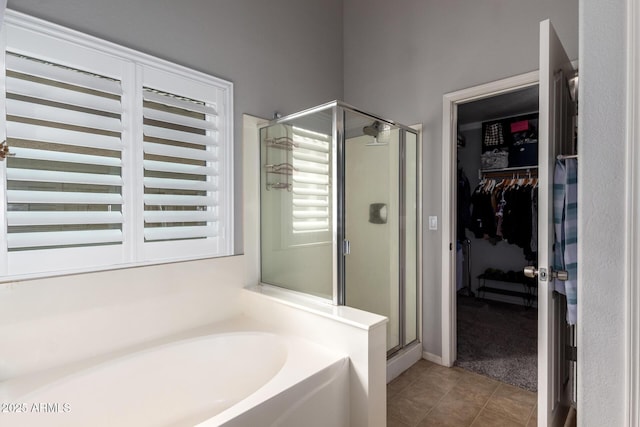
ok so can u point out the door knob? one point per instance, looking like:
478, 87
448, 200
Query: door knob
530, 271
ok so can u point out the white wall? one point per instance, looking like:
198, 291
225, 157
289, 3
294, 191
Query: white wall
281, 55
51, 322
601, 199
401, 57
352, 332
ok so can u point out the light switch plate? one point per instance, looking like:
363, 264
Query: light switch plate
433, 223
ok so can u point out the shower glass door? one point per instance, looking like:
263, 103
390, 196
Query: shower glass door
296, 199
339, 212
375, 223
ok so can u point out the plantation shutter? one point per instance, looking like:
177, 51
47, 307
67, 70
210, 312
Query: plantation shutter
64, 184
310, 181
116, 158
180, 167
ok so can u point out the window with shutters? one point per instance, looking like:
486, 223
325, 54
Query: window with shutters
64, 181
297, 179
179, 150
310, 199
116, 158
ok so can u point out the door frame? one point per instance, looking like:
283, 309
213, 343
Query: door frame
450, 104
632, 317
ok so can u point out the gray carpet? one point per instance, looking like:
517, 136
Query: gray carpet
498, 340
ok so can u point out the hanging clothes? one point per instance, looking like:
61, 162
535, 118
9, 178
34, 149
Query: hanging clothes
464, 205
459, 265
483, 223
503, 209
534, 220
518, 216
565, 219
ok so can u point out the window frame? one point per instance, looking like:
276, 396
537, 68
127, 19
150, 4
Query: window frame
30, 36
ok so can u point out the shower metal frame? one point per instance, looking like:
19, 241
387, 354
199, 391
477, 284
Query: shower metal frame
338, 208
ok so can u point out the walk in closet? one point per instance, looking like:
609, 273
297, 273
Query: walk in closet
496, 234
497, 196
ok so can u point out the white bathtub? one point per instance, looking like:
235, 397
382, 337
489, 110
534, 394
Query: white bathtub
231, 378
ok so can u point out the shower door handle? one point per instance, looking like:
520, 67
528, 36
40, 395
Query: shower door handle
346, 247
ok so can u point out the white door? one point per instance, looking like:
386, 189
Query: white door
555, 68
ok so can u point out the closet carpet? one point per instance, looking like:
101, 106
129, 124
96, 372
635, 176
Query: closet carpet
498, 340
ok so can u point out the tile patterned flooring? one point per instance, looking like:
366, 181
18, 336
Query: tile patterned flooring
428, 394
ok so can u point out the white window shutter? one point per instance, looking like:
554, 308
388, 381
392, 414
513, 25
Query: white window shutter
179, 167
119, 158
64, 184
310, 199
182, 180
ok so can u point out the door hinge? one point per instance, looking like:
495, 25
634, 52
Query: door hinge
571, 353
346, 247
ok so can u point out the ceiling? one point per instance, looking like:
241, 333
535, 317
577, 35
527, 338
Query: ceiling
506, 105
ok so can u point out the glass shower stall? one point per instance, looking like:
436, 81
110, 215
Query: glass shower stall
340, 212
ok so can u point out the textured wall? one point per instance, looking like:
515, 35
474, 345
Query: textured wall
601, 228
282, 55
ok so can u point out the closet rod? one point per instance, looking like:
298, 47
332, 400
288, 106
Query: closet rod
521, 168
566, 156
507, 172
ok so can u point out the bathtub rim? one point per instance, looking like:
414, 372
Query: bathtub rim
319, 306
296, 366
47, 382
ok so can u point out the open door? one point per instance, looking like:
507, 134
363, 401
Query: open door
555, 130
554, 138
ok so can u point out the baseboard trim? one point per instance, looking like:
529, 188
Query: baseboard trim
432, 357
403, 361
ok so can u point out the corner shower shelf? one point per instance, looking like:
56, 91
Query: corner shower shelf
283, 143
286, 168
279, 186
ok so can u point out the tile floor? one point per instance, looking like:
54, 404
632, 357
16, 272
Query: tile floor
432, 395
